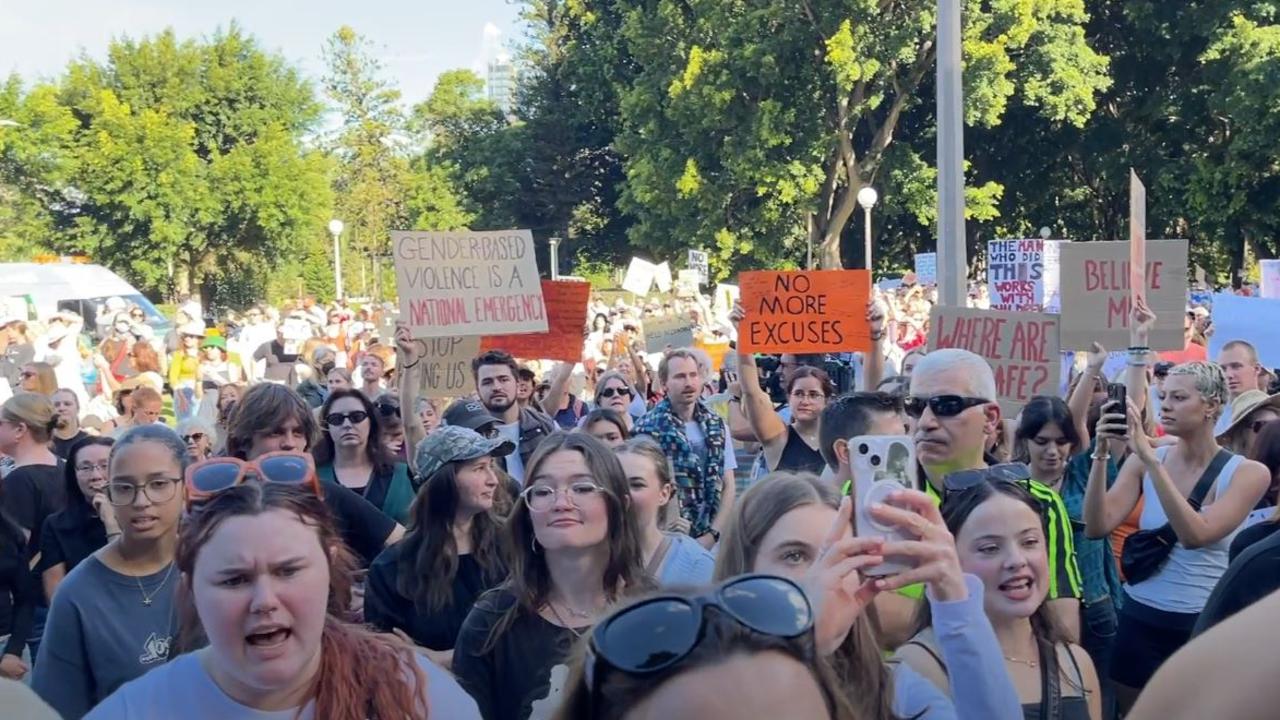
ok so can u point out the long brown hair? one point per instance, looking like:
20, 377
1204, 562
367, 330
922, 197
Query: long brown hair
361, 673
864, 678
530, 581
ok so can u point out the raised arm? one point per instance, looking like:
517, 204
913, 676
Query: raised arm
1082, 396
559, 388
1105, 509
873, 363
756, 405
409, 353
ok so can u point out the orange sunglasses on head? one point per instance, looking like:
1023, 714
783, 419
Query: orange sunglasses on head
210, 477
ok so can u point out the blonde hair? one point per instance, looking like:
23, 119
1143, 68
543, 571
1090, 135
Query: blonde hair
35, 412
1209, 380
46, 380
645, 447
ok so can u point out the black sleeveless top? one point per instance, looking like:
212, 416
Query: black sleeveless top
797, 456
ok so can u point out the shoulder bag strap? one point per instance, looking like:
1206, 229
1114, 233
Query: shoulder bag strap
1207, 479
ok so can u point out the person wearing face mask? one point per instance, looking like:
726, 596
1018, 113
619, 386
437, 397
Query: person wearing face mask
999, 535
425, 585
575, 549
87, 522
266, 585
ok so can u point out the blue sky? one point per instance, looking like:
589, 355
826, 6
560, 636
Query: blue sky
416, 41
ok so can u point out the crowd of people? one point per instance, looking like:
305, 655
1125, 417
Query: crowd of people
265, 516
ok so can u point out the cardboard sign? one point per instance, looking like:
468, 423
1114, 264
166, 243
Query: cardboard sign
1053, 275
1137, 235
566, 302
662, 277
1015, 274
446, 366
664, 333
468, 283
1021, 347
1237, 318
639, 277
805, 311
726, 296
927, 268
1270, 271
687, 282
698, 261
1096, 306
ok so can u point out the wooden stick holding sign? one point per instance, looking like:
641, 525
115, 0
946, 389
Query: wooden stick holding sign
1021, 347
805, 311
1137, 237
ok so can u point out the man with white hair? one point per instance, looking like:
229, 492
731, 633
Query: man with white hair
953, 401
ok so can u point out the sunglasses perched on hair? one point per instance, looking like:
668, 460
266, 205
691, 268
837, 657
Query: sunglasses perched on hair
1017, 473
337, 419
210, 477
660, 632
943, 406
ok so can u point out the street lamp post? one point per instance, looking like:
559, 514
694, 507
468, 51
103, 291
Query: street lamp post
953, 272
555, 258
867, 198
335, 229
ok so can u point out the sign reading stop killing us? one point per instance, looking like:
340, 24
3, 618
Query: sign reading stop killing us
444, 370
468, 283
805, 311
1020, 347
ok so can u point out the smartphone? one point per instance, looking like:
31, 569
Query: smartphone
881, 464
1117, 392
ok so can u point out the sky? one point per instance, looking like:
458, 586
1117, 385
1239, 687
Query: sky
415, 40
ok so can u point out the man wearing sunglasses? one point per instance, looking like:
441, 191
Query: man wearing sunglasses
952, 401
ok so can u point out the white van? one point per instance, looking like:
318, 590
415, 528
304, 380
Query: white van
37, 290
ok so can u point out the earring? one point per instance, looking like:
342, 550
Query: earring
533, 544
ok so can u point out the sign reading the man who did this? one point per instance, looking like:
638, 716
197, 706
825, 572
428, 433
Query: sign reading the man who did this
805, 311
468, 283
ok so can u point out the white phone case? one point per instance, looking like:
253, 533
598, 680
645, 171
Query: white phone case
882, 464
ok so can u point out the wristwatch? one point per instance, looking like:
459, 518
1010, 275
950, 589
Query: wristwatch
714, 533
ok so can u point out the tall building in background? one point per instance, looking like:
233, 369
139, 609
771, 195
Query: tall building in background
502, 82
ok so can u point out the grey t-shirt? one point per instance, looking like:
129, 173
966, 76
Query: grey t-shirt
100, 635
182, 688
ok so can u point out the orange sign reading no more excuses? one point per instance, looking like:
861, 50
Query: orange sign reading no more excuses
805, 311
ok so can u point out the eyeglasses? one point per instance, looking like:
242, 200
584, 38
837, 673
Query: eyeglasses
809, 395
941, 405
193, 438
210, 477
1002, 473
88, 468
541, 498
26, 374
388, 409
659, 633
156, 490
336, 419
612, 391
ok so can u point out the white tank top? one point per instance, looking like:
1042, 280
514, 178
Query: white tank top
1184, 581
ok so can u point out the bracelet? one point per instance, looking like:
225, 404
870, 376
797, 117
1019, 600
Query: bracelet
415, 362
1096, 456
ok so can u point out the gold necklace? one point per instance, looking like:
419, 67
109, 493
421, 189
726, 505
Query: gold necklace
1029, 663
563, 622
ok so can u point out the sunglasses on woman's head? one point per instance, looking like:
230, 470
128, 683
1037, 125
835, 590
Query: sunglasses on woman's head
210, 477
1003, 473
943, 406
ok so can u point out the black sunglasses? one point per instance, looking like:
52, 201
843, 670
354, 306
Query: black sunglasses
386, 409
660, 632
941, 405
1004, 473
193, 437
336, 419
610, 392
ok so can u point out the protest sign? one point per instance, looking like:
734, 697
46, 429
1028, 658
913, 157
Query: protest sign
1015, 274
726, 296
662, 277
716, 349
1053, 275
566, 302
639, 277
698, 261
687, 282
1096, 306
1021, 347
805, 311
446, 366
927, 268
468, 283
663, 333
1270, 270
1238, 318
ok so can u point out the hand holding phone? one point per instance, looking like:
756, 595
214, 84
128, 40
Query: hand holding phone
882, 465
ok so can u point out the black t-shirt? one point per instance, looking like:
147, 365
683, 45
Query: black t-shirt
525, 668
280, 365
1250, 535
1252, 576
32, 493
70, 536
19, 594
62, 448
363, 527
386, 609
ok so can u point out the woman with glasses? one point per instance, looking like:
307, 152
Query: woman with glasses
392, 433
425, 585
114, 615
573, 549
671, 557
796, 526
87, 522
265, 633
350, 454
1196, 497
786, 446
39, 378
199, 437
667, 657
999, 534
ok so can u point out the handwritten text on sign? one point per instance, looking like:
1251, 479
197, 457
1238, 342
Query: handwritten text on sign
1096, 303
468, 283
566, 302
803, 311
1021, 347
1015, 274
446, 366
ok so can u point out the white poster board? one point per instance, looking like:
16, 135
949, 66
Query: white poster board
662, 277
698, 261
1242, 318
927, 268
1015, 274
639, 277
1270, 270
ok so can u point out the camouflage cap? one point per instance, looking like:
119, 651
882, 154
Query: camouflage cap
450, 443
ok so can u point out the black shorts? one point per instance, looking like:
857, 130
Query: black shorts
1145, 638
